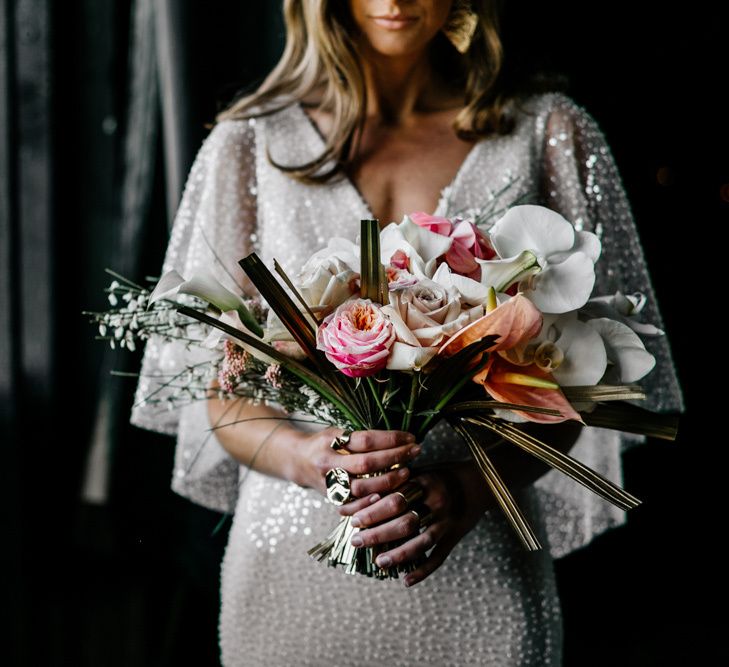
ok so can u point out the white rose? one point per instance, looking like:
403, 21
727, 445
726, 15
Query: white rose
327, 280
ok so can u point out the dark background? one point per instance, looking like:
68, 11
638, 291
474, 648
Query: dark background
132, 578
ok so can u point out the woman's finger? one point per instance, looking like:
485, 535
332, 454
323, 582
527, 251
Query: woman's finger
389, 481
433, 562
370, 441
355, 505
389, 507
415, 547
406, 525
361, 464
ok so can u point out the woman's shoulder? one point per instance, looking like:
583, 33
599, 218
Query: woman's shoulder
556, 115
552, 102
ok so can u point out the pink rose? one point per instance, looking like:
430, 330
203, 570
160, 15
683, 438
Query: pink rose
432, 223
469, 242
356, 338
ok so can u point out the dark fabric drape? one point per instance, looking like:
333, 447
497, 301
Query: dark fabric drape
27, 294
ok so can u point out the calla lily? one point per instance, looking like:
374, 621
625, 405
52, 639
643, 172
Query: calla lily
625, 351
514, 321
565, 257
205, 286
500, 273
496, 380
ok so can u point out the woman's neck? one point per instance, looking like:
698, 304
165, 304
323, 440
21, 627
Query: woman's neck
397, 88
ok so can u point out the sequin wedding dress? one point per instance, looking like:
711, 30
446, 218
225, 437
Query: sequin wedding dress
491, 603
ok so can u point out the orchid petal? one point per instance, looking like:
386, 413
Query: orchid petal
562, 287
622, 308
624, 349
585, 358
585, 242
531, 227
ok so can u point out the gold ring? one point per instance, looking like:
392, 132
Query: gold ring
340, 442
424, 514
411, 493
338, 486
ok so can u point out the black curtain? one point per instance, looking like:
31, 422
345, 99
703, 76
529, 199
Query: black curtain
102, 108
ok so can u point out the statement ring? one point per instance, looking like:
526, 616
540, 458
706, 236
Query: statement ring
411, 493
424, 514
338, 486
340, 442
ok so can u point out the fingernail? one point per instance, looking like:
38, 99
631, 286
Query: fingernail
410, 437
415, 451
408, 581
403, 473
374, 499
357, 541
384, 561
356, 522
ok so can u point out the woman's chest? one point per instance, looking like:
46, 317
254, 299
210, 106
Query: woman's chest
297, 219
405, 170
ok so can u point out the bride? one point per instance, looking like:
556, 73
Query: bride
380, 108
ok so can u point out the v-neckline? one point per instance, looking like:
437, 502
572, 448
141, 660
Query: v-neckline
352, 186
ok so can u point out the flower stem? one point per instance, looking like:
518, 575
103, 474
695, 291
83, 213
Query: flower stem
411, 403
376, 396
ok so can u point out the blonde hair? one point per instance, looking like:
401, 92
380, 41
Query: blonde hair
320, 54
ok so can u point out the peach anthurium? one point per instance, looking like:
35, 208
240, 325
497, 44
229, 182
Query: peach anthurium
514, 321
516, 384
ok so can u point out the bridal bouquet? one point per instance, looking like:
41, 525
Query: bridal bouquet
431, 319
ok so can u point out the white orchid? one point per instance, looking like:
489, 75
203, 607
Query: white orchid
578, 352
629, 359
554, 263
624, 308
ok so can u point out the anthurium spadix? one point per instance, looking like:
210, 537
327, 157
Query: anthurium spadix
564, 267
204, 286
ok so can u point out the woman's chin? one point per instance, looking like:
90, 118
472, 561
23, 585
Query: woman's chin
396, 45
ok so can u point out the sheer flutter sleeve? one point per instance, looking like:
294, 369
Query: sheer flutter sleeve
579, 178
214, 227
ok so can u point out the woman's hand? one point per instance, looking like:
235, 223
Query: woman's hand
457, 496
369, 452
